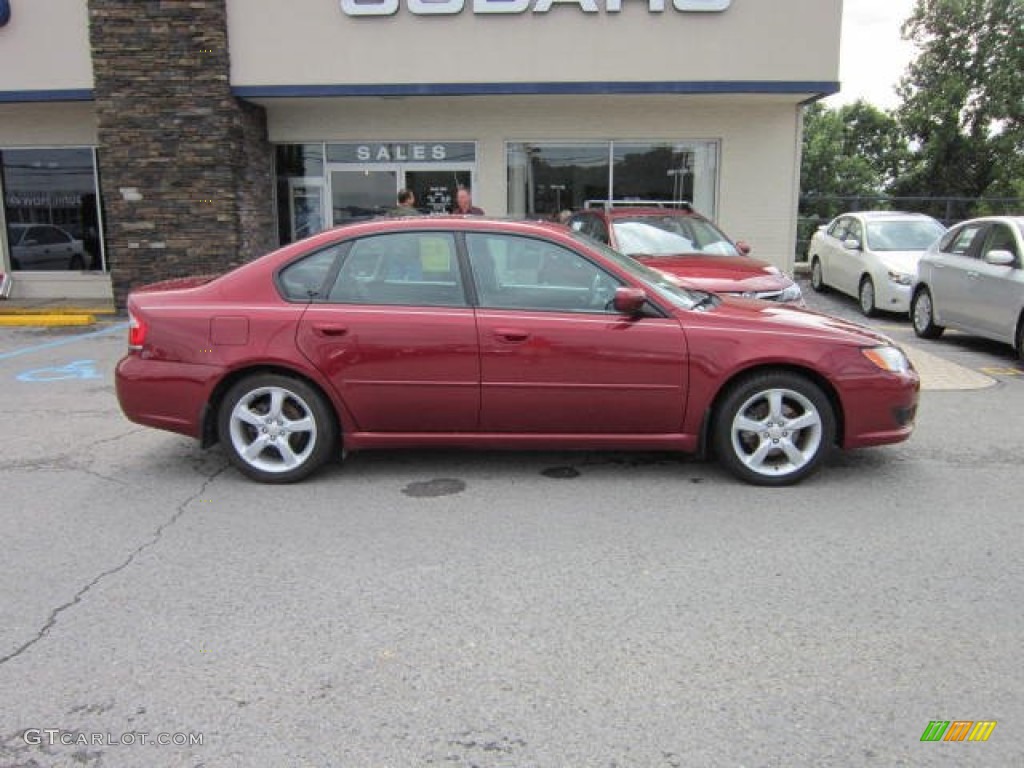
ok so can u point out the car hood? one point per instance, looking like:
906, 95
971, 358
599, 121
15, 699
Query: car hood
900, 261
792, 321
719, 274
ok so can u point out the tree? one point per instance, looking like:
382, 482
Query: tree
851, 151
963, 99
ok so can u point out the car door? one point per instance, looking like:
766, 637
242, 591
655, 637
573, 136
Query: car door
996, 293
555, 358
850, 257
951, 286
395, 335
830, 251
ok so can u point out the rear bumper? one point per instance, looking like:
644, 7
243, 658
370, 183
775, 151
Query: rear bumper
880, 410
164, 395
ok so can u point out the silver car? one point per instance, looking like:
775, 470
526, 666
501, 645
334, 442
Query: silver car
972, 280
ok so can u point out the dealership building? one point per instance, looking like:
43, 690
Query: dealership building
147, 139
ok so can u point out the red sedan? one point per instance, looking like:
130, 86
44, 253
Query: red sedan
682, 243
489, 334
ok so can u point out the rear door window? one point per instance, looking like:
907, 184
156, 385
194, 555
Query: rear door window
401, 268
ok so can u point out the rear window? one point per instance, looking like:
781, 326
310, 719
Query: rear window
304, 280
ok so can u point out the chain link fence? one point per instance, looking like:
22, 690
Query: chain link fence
817, 210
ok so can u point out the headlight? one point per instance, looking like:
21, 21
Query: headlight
791, 293
900, 278
889, 359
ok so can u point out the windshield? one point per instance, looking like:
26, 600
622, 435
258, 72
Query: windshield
672, 293
910, 235
670, 236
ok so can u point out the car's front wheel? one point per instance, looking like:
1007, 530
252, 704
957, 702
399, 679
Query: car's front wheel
817, 277
276, 429
774, 428
922, 314
866, 294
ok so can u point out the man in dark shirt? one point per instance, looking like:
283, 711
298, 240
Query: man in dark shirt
464, 203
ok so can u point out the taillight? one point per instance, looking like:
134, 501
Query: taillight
136, 331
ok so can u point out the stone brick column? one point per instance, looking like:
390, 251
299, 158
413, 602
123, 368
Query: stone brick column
186, 170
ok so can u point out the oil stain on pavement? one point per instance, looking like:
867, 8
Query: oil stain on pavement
429, 489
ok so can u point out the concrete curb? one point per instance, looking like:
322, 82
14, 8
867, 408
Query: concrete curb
51, 320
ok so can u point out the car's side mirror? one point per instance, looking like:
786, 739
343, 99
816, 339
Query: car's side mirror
852, 244
629, 301
743, 247
1000, 258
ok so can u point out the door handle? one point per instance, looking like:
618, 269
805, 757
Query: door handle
513, 335
973, 275
938, 266
329, 329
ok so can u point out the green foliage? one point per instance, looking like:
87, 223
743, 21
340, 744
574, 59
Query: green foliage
856, 149
963, 99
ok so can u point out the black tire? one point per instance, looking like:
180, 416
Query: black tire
1020, 338
922, 315
247, 417
77, 262
817, 276
739, 449
866, 297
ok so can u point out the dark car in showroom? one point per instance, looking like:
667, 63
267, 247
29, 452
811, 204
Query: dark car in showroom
674, 239
481, 334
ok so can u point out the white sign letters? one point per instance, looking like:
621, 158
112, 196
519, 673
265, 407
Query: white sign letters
452, 7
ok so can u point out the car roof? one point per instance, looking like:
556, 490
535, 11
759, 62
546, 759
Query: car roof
631, 212
447, 221
881, 215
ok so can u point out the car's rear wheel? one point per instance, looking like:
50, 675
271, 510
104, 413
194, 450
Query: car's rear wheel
77, 262
817, 277
276, 429
866, 295
774, 428
922, 314
1020, 338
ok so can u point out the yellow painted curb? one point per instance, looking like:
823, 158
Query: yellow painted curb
57, 310
47, 321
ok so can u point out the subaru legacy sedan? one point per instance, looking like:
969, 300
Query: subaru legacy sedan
490, 334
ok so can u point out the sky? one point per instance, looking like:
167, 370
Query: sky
873, 55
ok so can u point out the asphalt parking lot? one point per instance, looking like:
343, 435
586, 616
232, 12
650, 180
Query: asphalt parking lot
505, 609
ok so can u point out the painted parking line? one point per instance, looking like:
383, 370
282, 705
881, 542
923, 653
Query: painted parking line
993, 370
118, 328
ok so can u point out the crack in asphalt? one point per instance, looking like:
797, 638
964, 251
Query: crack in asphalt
51, 620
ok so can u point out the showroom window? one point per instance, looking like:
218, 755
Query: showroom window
51, 209
300, 191
545, 178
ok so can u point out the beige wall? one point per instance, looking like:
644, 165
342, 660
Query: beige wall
46, 46
757, 191
57, 124
313, 42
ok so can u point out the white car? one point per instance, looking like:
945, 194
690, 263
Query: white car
872, 256
44, 247
972, 279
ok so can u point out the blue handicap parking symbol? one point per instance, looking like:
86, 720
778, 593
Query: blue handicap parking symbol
78, 369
